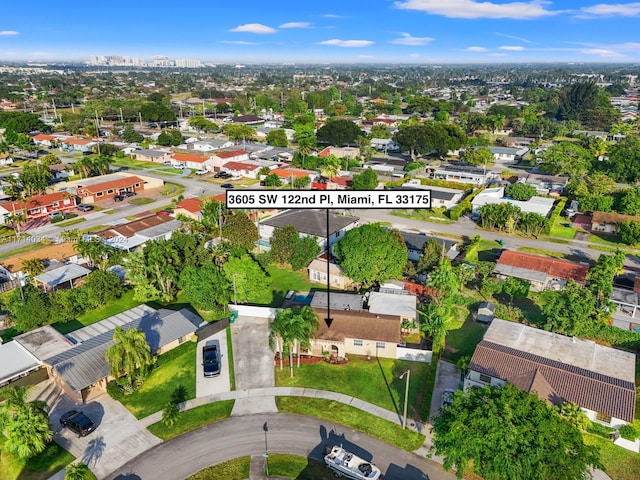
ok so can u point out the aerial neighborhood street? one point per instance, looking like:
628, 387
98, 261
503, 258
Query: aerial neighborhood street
280, 263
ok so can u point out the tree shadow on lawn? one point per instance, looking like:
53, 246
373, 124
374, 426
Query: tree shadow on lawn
394, 381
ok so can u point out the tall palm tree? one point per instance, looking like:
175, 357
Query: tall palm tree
93, 249
76, 471
331, 167
130, 354
277, 333
308, 326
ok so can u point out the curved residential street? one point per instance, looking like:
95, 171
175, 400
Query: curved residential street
293, 434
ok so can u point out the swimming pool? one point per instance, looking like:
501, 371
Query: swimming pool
302, 298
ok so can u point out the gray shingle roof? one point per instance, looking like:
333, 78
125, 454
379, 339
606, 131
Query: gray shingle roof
310, 222
416, 241
85, 364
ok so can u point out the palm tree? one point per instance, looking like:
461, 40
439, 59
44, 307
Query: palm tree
93, 249
33, 266
308, 326
17, 219
291, 327
331, 167
130, 354
76, 471
170, 413
278, 332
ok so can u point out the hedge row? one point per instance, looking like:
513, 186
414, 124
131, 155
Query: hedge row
464, 206
557, 211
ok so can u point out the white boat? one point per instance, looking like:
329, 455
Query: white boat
346, 464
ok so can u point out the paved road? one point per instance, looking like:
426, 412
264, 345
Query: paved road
298, 435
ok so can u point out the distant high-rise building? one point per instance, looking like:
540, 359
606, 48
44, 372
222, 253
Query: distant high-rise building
188, 63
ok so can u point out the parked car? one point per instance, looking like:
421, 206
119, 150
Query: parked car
180, 165
83, 207
202, 171
118, 198
78, 423
56, 215
163, 212
227, 185
447, 398
167, 163
218, 175
128, 194
211, 359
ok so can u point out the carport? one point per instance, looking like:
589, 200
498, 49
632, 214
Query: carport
61, 275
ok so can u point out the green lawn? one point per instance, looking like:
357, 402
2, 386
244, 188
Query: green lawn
194, 418
619, 464
174, 370
72, 222
232, 373
123, 303
354, 418
40, 467
281, 281
561, 230
375, 381
462, 341
172, 189
141, 201
300, 468
236, 469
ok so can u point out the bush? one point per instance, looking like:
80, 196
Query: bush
628, 432
114, 390
555, 214
600, 430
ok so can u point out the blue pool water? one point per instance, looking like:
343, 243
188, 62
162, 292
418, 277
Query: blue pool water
302, 298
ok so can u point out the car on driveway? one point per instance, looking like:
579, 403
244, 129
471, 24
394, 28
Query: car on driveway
78, 423
128, 194
227, 185
202, 171
211, 359
118, 198
83, 207
56, 216
447, 398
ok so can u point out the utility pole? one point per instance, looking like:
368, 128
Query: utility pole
98, 131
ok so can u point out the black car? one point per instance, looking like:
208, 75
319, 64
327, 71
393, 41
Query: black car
128, 194
118, 198
78, 423
211, 360
218, 175
227, 185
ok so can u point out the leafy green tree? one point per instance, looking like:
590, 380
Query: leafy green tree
34, 178
22, 122
478, 156
103, 287
170, 138
130, 355
205, 286
77, 471
371, 254
380, 131
277, 138
29, 307
430, 257
213, 215
601, 275
283, 243
305, 137
566, 158
367, 180
50, 159
131, 136
630, 201
237, 132
339, 132
93, 249
203, 124
301, 182
24, 424
515, 287
170, 414
573, 414
272, 180
163, 263
247, 278
486, 429
623, 160
240, 231
571, 310
630, 232
306, 250
520, 191
331, 166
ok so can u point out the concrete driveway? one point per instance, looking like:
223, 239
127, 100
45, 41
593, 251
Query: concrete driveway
447, 376
252, 357
117, 439
213, 385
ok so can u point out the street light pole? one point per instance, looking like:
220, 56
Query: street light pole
406, 396
265, 427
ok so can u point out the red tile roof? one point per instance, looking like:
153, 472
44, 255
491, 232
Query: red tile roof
36, 201
231, 154
288, 173
192, 205
186, 157
551, 266
130, 229
76, 141
556, 381
325, 152
44, 137
240, 166
119, 183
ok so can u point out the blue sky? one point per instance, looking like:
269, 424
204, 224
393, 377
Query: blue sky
346, 31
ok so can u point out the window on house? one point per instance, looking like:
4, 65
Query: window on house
110, 191
99, 194
357, 343
380, 345
137, 185
55, 204
485, 378
603, 417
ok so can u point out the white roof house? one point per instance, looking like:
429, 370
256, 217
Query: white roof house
396, 304
540, 205
15, 361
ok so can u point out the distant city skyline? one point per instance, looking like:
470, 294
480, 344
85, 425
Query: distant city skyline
331, 31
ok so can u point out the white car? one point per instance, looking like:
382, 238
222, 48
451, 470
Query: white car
202, 172
447, 398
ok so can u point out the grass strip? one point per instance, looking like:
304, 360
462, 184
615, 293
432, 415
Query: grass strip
194, 418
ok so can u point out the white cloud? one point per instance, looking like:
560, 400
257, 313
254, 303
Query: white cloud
414, 55
236, 42
511, 48
253, 28
473, 9
8, 33
601, 52
609, 10
512, 37
295, 25
476, 49
331, 15
336, 42
407, 39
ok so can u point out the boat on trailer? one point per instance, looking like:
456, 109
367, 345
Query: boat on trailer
346, 464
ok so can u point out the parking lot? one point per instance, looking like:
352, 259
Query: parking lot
212, 385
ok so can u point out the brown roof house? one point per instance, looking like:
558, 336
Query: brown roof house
556, 368
609, 222
132, 235
542, 272
317, 270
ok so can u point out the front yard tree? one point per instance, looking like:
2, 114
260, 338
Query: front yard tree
33, 266
131, 136
478, 156
371, 254
130, 354
277, 138
566, 158
246, 277
367, 180
339, 132
237, 132
630, 232
169, 138
504, 433
289, 327
520, 191
77, 471
515, 287
240, 231
205, 287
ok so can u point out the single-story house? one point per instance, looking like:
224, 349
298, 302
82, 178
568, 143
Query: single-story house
317, 270
245, 119
122, 178
77, 144
308, 223
415, 245
155, 156
82, 370
384, 144
609, 222
242, 169
16, 362
517, 142
440, 196
356, 333
340, 152
6, 158
38, 206
539, 205
54, 254
132, 235
401, 304
190, 160
287, 174
542, 272
219, 158
486, 312
106, 190
507, 154
61, 171
210, 145
464, 174
558, 369
191, 207
44, 140
627, 315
